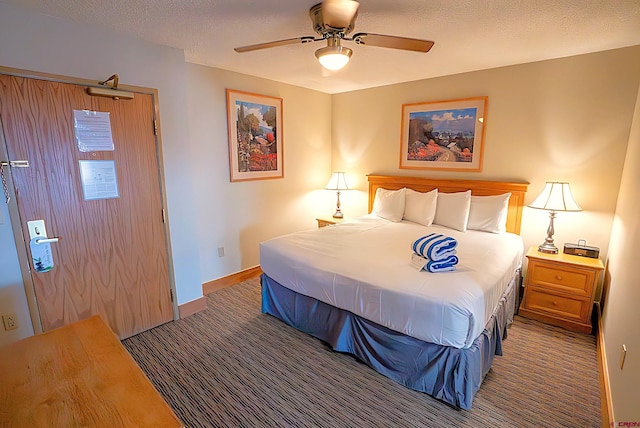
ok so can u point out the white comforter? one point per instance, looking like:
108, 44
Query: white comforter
364, 266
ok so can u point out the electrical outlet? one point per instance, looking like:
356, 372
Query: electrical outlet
10, 322
220, 251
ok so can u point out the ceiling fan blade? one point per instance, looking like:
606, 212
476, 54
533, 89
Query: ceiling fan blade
258, 46
393, 42
339, 13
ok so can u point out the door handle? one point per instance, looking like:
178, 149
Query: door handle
40, 245
46, 240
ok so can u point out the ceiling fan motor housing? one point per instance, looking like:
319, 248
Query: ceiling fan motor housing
324, 29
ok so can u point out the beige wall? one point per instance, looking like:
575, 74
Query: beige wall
564, 119
621, 316
239, 215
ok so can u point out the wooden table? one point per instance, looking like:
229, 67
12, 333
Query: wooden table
77, 375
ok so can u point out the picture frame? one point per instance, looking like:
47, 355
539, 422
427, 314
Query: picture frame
444, 135
255, 127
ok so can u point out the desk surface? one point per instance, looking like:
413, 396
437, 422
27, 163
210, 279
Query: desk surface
77, 375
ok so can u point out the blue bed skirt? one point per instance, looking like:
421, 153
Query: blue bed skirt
449, 374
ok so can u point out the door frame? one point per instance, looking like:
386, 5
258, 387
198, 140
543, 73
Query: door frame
14, 214
16, 227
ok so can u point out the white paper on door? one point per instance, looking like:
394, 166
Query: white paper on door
99, 179
93, 130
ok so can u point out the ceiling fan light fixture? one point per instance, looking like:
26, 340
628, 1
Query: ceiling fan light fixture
333, 57
333, 21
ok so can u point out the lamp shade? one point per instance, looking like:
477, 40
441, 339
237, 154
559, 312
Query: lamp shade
556, 196
337, 182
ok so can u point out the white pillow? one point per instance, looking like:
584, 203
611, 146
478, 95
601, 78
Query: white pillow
389, 204
452, 210
420, 207
489, 213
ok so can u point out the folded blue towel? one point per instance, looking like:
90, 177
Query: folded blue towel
445, 265
435, 246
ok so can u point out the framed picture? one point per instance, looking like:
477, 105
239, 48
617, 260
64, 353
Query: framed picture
255, 136
445, 135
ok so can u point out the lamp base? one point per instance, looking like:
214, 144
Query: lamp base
338, 213
548, 248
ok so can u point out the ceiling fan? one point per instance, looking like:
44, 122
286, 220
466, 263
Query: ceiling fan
334, 20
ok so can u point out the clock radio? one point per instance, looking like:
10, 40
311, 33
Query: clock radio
582, 249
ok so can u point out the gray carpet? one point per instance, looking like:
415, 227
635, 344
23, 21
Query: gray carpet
231, 366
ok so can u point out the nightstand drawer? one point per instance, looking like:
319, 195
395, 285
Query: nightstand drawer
559, 306
561, 277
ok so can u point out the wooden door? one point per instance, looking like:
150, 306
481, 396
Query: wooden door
112, 257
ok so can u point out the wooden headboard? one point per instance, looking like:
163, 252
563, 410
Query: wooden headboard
477, 187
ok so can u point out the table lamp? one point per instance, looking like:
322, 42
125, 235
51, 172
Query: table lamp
337, 183
556, 196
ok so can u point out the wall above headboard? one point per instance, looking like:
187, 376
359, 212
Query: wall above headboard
477, 187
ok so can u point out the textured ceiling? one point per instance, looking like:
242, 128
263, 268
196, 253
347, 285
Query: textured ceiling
469, 34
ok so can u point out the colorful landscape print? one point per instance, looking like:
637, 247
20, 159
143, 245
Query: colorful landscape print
257, 137
442, 135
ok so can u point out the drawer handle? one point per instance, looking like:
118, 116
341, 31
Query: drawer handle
554, 303
558, 277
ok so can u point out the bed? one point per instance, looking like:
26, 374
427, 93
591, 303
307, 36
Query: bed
352, 285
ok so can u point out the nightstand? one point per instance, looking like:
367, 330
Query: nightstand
559, 289
328, 221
